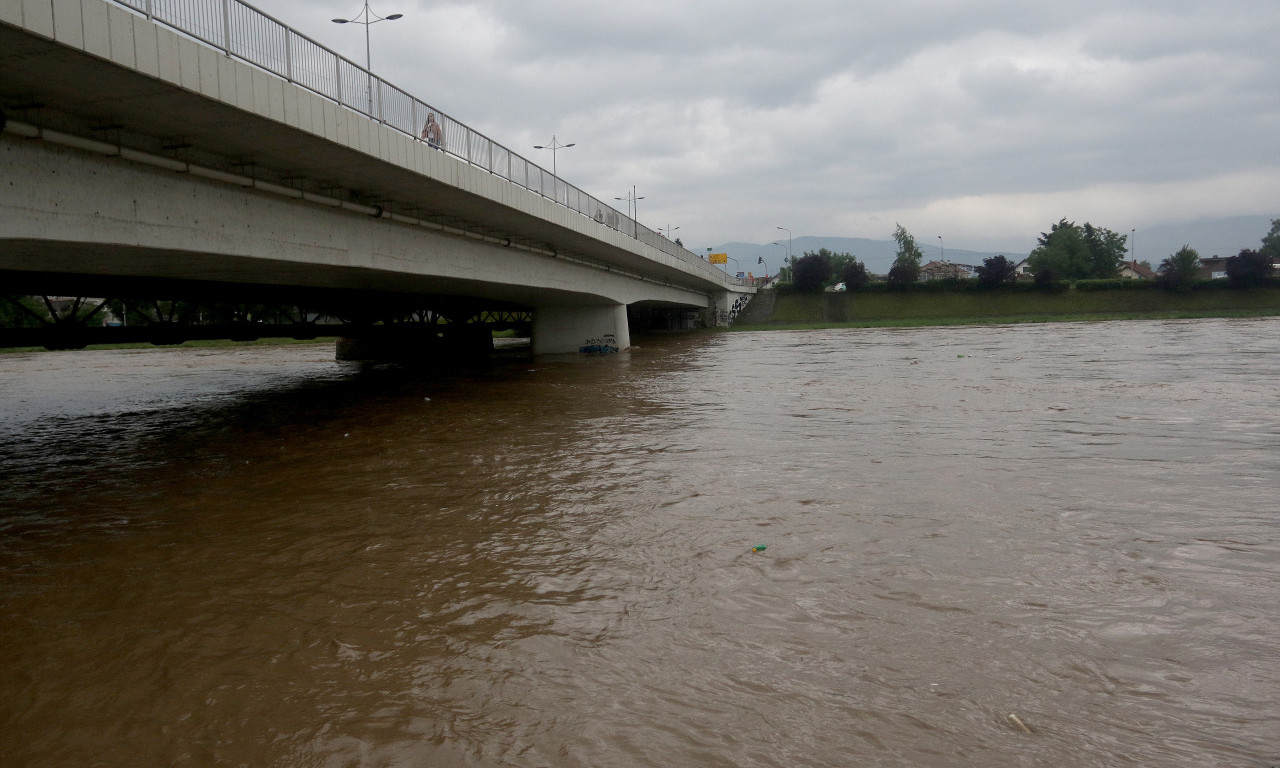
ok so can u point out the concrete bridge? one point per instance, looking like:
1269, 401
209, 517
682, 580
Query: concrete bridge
203, 149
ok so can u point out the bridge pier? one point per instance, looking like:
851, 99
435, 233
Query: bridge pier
590, 329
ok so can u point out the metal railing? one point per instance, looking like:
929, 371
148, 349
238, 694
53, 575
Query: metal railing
242, 31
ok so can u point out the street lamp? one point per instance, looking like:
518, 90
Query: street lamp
942, 248
367, 17
786, 263
1133, 245
553, 146
789, 259
667, 230
633, 205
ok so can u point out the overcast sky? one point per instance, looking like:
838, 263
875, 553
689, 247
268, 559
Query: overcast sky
983, 121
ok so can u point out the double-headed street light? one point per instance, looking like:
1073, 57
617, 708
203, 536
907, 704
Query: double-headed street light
789, 259
553, 146
667, 230
367, 17
633, 206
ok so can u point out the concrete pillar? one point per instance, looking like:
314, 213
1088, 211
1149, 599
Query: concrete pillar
590, 329
726, 304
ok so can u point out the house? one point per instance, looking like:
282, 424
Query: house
944, 270
1129, 269
1213, 268
1136, 271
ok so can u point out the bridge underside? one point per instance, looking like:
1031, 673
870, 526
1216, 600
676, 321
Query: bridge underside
77, 223
379, 315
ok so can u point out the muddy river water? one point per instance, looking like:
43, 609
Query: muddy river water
1038, 545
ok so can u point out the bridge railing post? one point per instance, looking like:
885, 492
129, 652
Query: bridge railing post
226, 26
337, 79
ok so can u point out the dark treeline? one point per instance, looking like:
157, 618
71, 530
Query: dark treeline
1083, 255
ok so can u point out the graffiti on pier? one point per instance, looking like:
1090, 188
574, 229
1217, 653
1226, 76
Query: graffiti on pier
605, 345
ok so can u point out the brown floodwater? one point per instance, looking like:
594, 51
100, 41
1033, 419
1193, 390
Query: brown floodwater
1037, 545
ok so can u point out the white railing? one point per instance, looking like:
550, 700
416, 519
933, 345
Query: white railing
242, 31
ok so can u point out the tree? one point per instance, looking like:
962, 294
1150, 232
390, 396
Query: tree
1075, 252
854, 275
1062, 251
908, 259
902, 275
839, 261
1248, 269
812, 271
996, 270
1271, 242
1045, 277
1180, 270
1106, 251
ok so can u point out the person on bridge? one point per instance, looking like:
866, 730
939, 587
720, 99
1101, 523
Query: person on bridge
431, 132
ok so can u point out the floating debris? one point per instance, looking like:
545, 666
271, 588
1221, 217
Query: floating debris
1018, 722
759, 548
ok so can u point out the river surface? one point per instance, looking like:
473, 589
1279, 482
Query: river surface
1039, 545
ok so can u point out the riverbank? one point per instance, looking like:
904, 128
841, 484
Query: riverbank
879, 310
265, 342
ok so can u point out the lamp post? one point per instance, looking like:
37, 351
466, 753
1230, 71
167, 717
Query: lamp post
1133, 245
367, 17
784, 261
553, 146
633, 204
790, 261
942, 248
667, 230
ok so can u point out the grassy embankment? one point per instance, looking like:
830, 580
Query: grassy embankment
892, 309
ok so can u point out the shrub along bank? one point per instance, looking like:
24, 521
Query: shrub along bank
937, 305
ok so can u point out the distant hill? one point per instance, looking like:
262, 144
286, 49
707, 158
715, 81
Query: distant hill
878, 255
